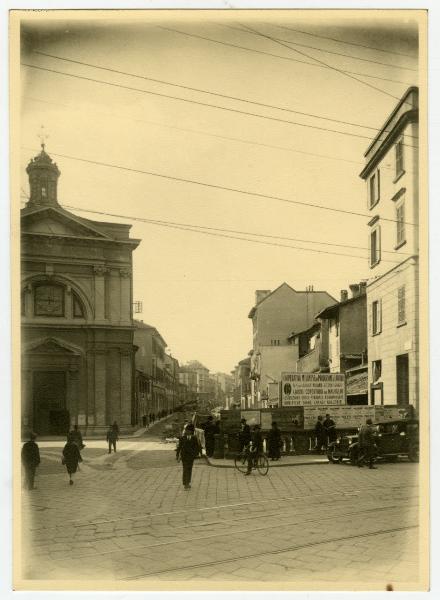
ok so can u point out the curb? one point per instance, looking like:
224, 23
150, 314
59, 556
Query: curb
298, 464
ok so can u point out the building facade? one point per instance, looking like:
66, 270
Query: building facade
275, 316
391, 177
77, 354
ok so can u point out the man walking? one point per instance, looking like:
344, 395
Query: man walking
187, 451
112, 437
30, 458
367, 446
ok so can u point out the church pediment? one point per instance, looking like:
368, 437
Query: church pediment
50, 346
57, 222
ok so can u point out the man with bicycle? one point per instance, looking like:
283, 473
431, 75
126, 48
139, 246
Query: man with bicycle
254, 448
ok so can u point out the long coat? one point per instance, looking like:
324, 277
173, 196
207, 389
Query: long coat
188, 448
71, 456
274, 443
30, 454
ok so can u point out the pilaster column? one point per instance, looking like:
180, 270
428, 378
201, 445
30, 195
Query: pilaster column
99, 272
100, 387
73, 394
27, 409
125, 282
126, 386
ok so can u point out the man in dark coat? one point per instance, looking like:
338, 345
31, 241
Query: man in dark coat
255, 448
187, 451
320, 435
244, 436
367, 445
274, 442
210, 430
112, 437
330, 429
30, 458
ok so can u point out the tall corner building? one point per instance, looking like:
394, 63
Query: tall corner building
392, 182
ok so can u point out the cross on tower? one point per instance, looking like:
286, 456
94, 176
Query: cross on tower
43, 136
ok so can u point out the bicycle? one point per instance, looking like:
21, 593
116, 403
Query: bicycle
260, 462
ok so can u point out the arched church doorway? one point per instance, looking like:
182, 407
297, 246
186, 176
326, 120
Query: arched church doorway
51, 416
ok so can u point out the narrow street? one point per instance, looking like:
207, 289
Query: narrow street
128, 518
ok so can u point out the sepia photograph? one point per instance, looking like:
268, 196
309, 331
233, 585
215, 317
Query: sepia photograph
220, 299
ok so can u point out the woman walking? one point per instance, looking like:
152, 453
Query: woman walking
71, 457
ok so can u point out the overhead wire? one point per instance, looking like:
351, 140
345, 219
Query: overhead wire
204, 91
289, 58
214, 135
187, 100
217, 233
336, 69
219, 187
339, 41
249, 233
327, 51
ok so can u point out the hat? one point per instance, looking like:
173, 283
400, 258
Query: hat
369, 422
190, 427
243, 421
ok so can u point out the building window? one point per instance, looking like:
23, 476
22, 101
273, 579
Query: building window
400, 224
399, 158
374, 189
376, 370
376, 317
375, 246
401, 306
49, 301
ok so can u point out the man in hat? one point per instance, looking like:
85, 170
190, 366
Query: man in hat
244, 435
367, 446
30, 458
187, 451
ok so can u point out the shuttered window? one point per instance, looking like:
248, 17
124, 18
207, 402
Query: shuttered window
374, 189
376, 317
400, 223
401, 306
374, 246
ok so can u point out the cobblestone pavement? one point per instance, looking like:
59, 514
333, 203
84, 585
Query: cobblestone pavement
128, 518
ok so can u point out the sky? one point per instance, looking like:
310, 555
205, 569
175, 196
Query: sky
198, 289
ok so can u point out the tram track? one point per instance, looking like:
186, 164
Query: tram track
252, 530
78, 523
268, 552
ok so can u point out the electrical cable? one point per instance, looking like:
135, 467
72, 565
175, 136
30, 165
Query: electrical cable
219, 187
234, 110
209, 92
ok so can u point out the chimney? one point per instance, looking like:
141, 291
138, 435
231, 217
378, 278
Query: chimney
344, 295
355, 290
362, 288
260, 295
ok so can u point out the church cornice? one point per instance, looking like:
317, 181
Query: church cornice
83, 240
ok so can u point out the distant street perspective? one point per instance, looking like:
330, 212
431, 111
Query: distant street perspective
223, 318
128, 518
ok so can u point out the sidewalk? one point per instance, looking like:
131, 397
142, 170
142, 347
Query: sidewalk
285, 461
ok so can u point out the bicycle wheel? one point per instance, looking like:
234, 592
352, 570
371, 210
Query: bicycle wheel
262, 464
241, 463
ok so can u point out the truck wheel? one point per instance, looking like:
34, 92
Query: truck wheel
331, 456
354, 456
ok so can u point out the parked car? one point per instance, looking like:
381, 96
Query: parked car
394, 438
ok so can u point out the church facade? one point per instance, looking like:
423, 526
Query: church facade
77, 353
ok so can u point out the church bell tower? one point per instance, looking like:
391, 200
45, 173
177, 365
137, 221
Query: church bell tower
43, 179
